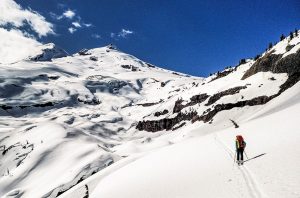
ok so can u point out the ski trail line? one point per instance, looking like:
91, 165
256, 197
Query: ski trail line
253, 186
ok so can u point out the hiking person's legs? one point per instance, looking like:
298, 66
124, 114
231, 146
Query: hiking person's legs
242, 154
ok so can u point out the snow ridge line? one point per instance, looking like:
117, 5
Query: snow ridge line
251, 183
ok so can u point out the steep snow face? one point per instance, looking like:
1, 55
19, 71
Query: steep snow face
61, 120
49, 52
64, 121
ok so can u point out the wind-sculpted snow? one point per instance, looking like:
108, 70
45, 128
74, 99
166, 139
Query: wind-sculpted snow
70, 125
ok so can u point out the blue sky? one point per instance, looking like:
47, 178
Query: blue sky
194, 37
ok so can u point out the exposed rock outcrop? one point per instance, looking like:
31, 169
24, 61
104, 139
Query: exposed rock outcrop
196, 99
276, 64
47, 104
93, 101
178, 105
93, 58
230, 91
131, 67
150, 65
159, 113
223, 74
84, 52
150, 103
221, 107
165, 123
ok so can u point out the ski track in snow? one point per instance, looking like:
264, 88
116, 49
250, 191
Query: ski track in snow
253, 187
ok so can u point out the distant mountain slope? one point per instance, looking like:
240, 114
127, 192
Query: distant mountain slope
64, 119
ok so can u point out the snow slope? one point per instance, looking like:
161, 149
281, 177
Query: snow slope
203, 166
69, 128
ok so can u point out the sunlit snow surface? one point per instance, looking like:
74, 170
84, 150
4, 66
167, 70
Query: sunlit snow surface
72, 124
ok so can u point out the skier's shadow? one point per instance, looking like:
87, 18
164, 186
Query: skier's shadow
255, 157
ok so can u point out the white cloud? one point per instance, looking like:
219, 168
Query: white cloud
69, 14
76, 24
96, 36
72, 30
124, 33
87, 24
12, 13
15, 46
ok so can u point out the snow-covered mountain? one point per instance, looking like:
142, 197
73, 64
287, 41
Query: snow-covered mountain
102, 123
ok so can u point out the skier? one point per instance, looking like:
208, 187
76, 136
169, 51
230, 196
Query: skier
240, 145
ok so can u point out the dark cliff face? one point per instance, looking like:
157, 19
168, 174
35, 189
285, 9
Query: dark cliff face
165, 123
196, 99
289, 64
276, 64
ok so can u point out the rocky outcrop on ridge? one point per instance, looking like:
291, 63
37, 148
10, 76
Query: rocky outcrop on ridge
275, 63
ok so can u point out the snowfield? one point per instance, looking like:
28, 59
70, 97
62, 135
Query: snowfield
102, 123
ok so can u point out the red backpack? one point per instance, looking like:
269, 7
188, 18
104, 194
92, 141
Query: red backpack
240, 139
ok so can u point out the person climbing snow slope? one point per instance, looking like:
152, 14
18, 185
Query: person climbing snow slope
240, 145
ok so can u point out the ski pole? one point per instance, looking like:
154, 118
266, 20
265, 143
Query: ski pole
234, 159
246, 154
